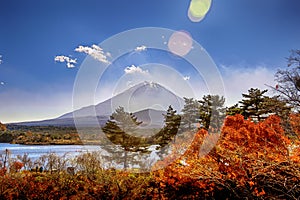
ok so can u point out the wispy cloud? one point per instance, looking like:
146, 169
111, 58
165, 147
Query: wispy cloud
70, 62
158, 73
95, 51
186, 78
141, 48
2, 83
238, 80
134, 70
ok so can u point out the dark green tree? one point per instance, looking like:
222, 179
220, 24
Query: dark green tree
170, 129
276, 106
212, 112
252, 104
127, 122
120, 130
257, 106
233, 110
190, 114
168, 133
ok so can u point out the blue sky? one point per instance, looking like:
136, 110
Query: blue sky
247, 39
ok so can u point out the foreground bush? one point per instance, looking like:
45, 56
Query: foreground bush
249, 161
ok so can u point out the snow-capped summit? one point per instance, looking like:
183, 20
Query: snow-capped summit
145, 95
147, 99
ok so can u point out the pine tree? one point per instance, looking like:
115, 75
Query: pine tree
120, 131
253, 104
190, 114
170, 129
212, 112
127, 122
168, 132
257, 106
275, 106
233, 110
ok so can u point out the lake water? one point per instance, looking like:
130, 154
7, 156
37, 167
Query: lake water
35, 151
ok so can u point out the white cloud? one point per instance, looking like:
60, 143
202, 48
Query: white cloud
95, 51
186, 78
141, 48
133, 70
238, 81
70, 62
2, 83
108, 54
162, 74
1, 59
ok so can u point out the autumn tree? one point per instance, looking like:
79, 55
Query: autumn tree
2, 127
289, 80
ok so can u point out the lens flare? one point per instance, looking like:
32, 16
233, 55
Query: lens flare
198, 9
180, 43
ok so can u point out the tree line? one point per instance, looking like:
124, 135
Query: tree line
209, 113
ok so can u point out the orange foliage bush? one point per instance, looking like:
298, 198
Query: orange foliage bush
295, 123
244, 163
16, 166
2, 127
248, 161
295, 148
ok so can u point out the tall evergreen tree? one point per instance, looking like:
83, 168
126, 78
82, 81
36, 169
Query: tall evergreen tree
257, 106
252, 104
275, 105
190, 114
233, 110
120, 131
168, 133
212, 112
170, 129
126, 121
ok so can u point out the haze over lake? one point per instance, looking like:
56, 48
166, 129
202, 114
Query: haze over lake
35, 151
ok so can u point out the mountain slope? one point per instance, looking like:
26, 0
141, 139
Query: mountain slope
146, 95
148, 101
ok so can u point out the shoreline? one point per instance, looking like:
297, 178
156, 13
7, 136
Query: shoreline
55, 143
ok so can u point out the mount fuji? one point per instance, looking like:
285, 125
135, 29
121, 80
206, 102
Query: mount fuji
147, 100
